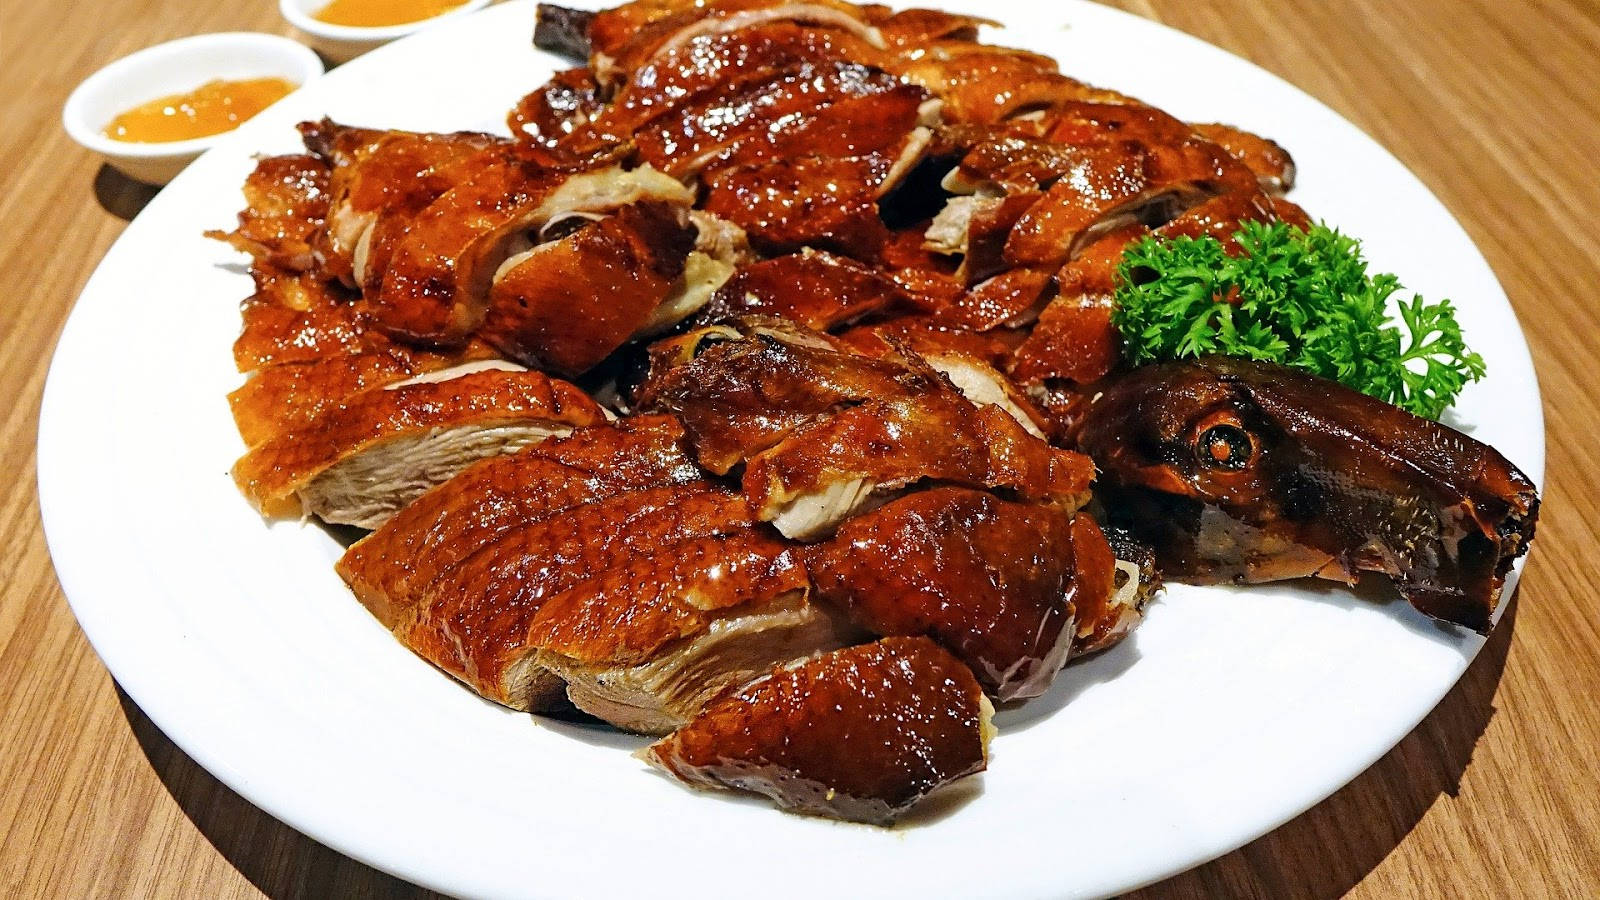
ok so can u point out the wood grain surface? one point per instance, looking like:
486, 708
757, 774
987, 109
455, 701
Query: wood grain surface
1495, 105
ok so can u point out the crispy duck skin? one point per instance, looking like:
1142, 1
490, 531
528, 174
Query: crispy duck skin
390, 568
724, 61
279, 474
1102, 166
787, 205
1118, 581
436, 289
291, 396
914, 29
988, 225
982, 84
380, 180
1009, 299
931, 277
715, 63
816, 289
1073, 211
557, 108
478, 611
437, 284
860, 734
982, 382
297, 317
1018, 164
286, 202
626, 38
1272, 164
819, 109
925, 336
994, 582
739, 396
567, 304
649, 606
822, 473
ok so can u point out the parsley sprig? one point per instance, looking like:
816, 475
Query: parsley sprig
1298, 298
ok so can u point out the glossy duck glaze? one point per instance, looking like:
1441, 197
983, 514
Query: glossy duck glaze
569, 303
274, 471
996, 583
860, 734
389, 569
741, 393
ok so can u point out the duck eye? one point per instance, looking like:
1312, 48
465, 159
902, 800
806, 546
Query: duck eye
1224, 447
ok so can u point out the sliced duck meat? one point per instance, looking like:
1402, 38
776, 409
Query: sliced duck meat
1074, 340
559, 108
829, 108
360, 462
742, 391
472, 612
860, 734
1095, 121
1220, 218
628, 38
1290, 212
1134, 584
1270, 162
297, 317
1011, 299
724, 63
930, 277
436, 289
924, 335
825, 472
816, 289
286, 203
1074, 213
565, 305
977, 228
996, 583
647, 643
984, 384
1011, 164
1104, 166
787, 205
978, 83
380, 180
910, 30
290, 396
390, 568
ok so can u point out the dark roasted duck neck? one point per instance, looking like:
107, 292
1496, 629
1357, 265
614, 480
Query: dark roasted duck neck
1248, 472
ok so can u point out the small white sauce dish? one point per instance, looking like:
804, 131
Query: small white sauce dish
175, 67
342, 43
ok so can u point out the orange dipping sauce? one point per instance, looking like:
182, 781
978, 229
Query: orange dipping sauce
211, 108
377, 13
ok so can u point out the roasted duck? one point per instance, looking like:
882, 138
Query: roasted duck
361, 461
859, 734
835, 290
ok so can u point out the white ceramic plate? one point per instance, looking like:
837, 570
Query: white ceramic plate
1225, 715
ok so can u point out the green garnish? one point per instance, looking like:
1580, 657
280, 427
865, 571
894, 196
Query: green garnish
1297, 298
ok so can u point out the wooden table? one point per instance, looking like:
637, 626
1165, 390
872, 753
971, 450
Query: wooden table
1496, 106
